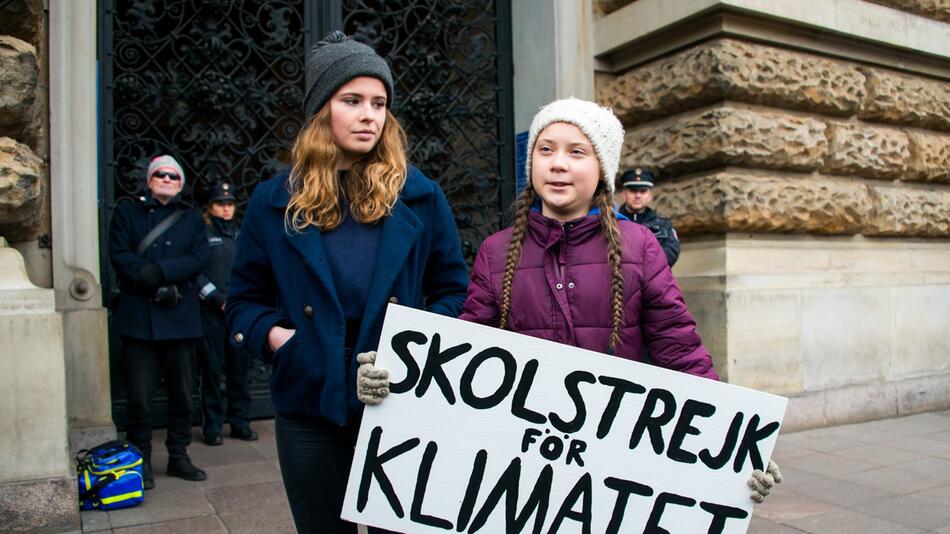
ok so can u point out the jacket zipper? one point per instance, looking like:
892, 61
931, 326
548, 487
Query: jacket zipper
560, 255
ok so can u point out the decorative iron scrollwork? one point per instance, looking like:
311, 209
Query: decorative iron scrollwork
219, 84
216, 83
445, 67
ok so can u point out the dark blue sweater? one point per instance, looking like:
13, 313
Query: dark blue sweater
351, 250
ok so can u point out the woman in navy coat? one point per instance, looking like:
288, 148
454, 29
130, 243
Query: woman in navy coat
324, 248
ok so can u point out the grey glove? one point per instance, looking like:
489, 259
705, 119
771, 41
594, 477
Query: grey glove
762, 483
372, 383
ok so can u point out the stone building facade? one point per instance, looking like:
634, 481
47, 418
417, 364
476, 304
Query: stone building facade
804, 150
24, 185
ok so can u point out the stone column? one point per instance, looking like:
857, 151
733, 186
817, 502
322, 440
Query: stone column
37, 479
552, 54
74, 183
808, 173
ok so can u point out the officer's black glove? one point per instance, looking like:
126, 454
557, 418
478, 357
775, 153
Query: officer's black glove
149, 277
216, 300
167, 296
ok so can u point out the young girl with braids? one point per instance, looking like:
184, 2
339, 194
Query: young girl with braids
569, 271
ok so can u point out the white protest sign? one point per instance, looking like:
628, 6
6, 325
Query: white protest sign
490, 431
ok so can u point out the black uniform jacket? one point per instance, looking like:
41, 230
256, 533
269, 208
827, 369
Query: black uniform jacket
180, 252
662, 229
215, 278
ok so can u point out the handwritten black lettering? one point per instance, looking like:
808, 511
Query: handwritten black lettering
400, 345
468, 378
518, 408
654, 425
624, 489
373, 469
571, 383
433, 367
750, 444
684, 427
621, 388
659, 505
582, 490
507, 485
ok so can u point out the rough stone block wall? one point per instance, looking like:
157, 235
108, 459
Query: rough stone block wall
750, 137
935, 9
24, 120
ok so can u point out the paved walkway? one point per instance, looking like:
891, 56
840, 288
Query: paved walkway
890, 476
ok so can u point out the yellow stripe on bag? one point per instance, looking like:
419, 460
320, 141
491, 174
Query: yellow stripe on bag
110, 469
88, 482
124, 496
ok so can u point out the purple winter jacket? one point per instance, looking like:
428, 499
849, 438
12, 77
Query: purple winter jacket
561, 292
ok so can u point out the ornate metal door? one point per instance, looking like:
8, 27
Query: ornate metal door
219, 84
451, 63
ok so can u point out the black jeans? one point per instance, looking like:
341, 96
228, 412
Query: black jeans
315, 457
222, 363
143, 363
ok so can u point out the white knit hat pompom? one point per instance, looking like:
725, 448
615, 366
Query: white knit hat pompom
599, 124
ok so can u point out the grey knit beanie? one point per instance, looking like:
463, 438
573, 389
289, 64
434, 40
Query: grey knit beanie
164, 163
336, 60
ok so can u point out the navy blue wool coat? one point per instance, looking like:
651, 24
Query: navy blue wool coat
282, 277
180, 252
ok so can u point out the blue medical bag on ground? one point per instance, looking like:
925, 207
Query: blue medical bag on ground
110, 476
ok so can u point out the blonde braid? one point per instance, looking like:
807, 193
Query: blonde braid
519, 229
611, 232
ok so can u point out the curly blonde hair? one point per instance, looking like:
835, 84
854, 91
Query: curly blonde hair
372, 187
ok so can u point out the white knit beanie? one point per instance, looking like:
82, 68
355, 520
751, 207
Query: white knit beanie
598, 124
167, 163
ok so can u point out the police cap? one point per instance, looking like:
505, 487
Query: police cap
222, 192
638, 178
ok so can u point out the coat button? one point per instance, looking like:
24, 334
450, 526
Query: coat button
239, 338
393, 300
308, 310
570, 285
559, 286
168, 243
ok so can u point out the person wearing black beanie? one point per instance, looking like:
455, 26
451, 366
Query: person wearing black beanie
325, 247
336, 60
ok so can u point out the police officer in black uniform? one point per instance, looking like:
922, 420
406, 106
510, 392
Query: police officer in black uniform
157, 248
221, 364
637, 194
